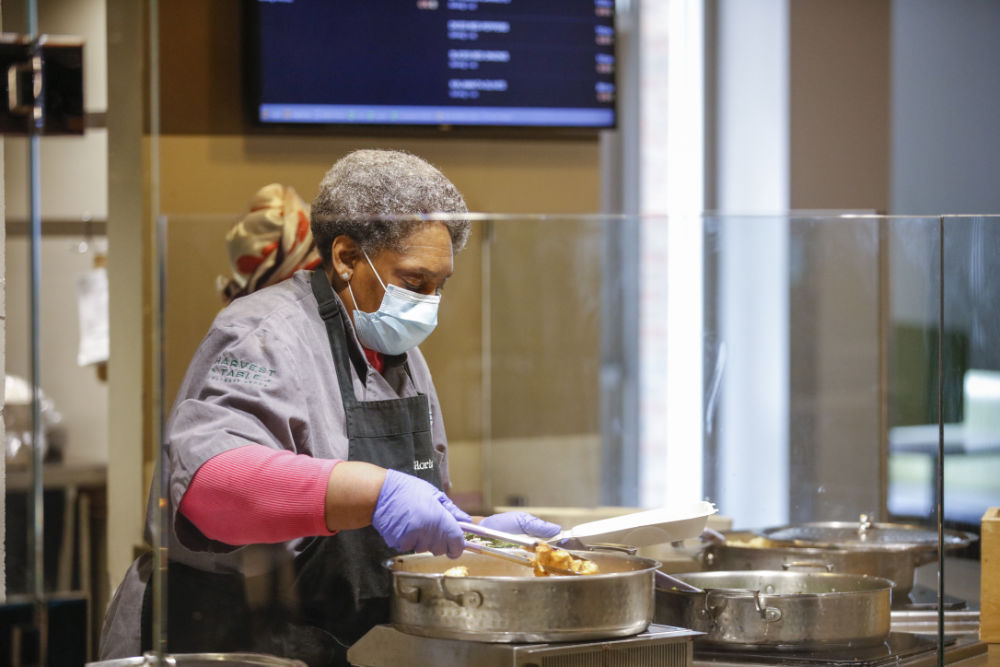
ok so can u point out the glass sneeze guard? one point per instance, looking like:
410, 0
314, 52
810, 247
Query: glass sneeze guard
822, 350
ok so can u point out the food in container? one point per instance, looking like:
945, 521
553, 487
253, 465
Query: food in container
501, 601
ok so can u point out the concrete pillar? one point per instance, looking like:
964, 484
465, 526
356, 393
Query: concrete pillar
126, 495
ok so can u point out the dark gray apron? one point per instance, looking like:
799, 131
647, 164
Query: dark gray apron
339, 589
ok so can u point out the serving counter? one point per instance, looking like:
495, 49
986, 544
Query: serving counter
778, 385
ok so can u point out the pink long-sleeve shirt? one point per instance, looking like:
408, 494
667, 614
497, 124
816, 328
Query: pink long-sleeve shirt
255, 494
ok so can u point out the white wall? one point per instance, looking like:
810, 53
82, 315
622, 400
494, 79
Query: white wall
76, 392
74, 187
74, 177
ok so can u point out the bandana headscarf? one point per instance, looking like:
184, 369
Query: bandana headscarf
270, 244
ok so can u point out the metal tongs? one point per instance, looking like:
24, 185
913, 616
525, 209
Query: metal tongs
663, 580
513, 556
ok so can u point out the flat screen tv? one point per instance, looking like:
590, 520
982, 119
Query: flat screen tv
438, 63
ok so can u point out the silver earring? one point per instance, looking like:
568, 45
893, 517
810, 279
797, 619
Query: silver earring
345, 275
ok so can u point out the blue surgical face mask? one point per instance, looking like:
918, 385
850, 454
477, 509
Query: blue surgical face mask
402, 321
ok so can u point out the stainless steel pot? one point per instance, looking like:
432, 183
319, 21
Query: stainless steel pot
746, 551
867, 535
505, 602
201, 660
778, 610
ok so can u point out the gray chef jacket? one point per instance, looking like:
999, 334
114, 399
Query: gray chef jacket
263, 374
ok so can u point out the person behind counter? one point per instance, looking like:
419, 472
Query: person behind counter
269, 244
306, 444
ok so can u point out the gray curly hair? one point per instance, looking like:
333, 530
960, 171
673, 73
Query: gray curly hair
368, 183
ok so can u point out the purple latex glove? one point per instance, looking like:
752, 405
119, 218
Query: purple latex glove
412, 515
521, 522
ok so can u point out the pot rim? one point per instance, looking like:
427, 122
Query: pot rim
879, 584
800, 548
649, 565
954, 539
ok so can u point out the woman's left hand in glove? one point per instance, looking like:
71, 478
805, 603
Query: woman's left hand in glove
521, 523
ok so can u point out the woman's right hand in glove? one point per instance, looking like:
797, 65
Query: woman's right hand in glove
413, 515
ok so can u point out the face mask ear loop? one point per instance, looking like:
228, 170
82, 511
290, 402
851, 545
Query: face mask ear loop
352, 295
377, 276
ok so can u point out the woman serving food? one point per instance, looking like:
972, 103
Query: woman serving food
306, 444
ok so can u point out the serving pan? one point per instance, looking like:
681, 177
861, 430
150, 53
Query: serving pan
742, 550
889, 550
779, 610
499, 602
866, 535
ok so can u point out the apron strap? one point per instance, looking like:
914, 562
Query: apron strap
343, 353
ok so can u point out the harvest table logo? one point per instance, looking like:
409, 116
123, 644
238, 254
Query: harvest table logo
240, 371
